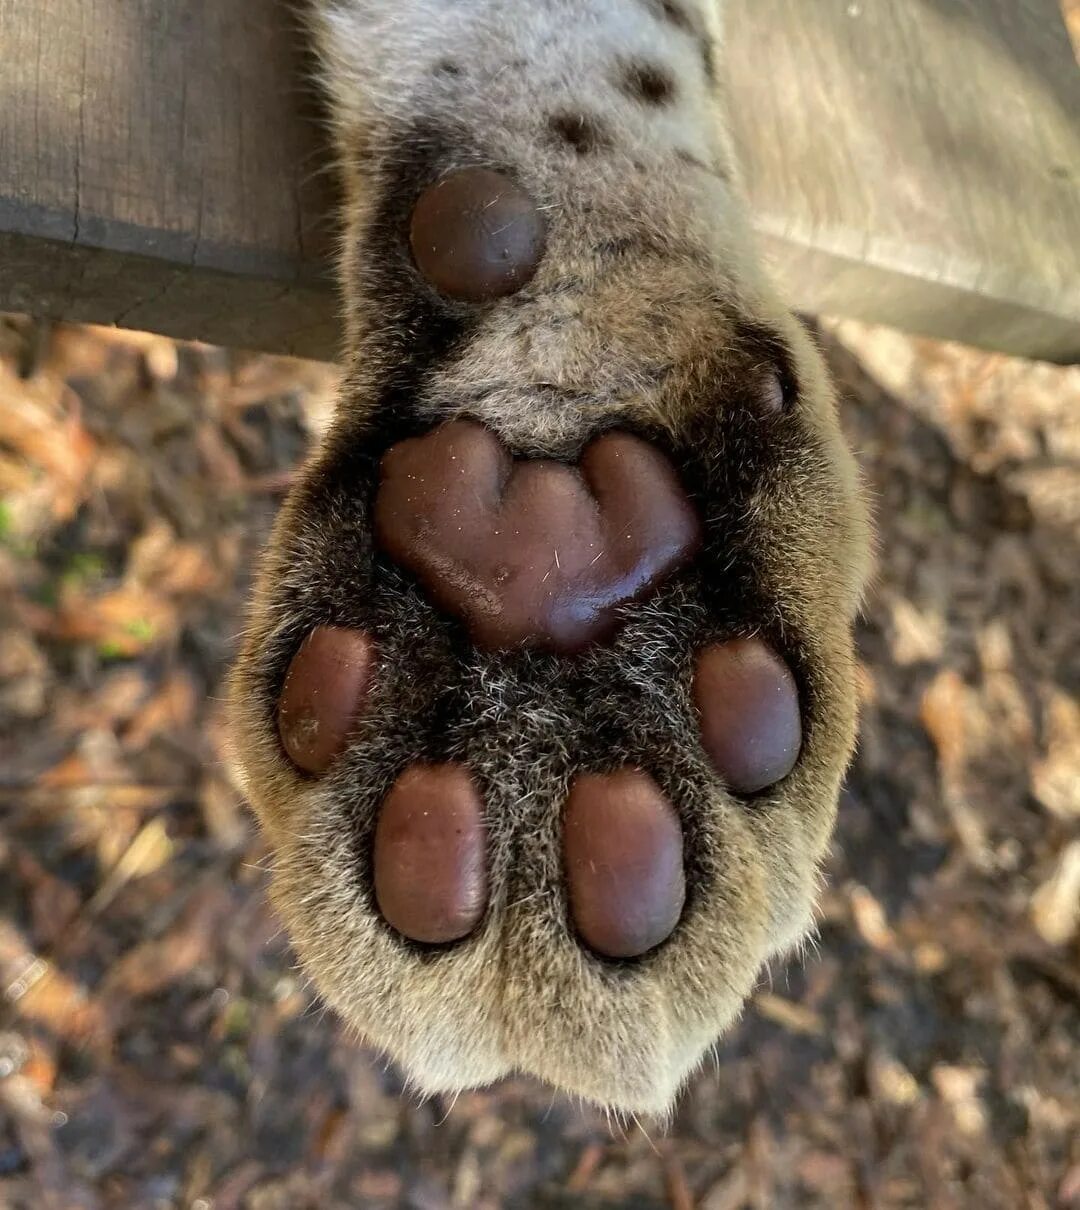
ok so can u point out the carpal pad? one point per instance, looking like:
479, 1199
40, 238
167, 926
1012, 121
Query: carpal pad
476, 235
548, 687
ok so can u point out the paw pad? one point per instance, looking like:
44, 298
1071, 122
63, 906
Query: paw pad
533, 552
623, 856
431, 880
325, 691
477, 236
748, 709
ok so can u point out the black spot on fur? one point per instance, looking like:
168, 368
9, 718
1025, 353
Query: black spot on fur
716, 169
648, 83
447, 67
672, 13
708, 61
583, 133
676, 14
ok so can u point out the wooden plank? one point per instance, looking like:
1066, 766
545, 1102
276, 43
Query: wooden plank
915, 162
168, 151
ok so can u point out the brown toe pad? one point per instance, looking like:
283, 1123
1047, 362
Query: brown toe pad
325, 691
431, 880
748, 709
623, 856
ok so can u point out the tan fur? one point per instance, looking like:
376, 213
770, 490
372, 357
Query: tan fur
652, 336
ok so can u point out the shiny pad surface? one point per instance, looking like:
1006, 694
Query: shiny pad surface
533, 553
431, 880
476, 235
622, 850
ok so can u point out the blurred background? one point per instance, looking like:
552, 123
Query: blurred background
158, 1047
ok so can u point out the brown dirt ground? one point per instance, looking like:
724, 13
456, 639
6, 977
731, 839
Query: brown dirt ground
158, 1048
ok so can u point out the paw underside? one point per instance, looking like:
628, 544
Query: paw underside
546, 765
538, 555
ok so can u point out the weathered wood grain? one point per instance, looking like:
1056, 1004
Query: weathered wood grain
915, 162
159, 168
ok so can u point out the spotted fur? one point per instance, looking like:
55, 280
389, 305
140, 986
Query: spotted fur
649, 312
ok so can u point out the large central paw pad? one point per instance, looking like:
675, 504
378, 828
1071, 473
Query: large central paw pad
533, 553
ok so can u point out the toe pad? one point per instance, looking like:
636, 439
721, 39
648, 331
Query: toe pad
325, 691
748, 709
431, 880
623, 856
